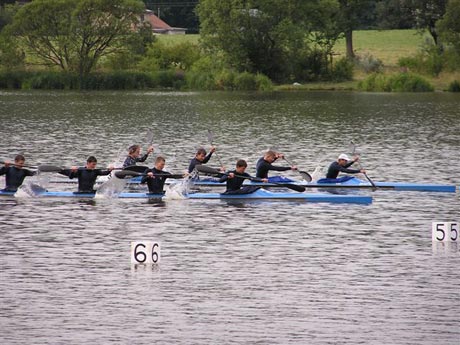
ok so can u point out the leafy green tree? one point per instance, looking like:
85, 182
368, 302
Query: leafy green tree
427, 13
394, 14
449, 26
7, 12
75, 34
260, 36
353, 14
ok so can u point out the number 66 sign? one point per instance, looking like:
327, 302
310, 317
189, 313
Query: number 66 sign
445, 231
145, 252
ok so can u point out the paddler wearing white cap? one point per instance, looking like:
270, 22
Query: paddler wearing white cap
341, 165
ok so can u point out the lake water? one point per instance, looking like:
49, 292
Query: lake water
233, 273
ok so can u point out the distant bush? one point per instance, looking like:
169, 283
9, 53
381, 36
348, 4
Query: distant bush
11, 79
369, 63
180, 56
263, 83
50, 80
225, 80
402, 82
375, 82
201, 81
342, 70
123, 80
245, 82
430, 61
406, 82
118, 80
454, 86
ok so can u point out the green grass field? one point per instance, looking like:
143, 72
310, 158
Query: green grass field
386, 45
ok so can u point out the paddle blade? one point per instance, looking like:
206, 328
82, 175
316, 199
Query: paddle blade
306, 176
295, 187
149, 137
210, 136
136, 168
127, 173
207, 170
49, 168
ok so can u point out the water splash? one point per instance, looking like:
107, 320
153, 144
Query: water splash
111, 188
29, 189
178, 190
317, 174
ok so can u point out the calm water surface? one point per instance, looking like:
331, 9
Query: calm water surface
240, 273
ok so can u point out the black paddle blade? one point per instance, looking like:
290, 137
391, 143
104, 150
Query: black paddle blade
306, 176
127, 173
136, 168
207, 170
49, 168
295, 187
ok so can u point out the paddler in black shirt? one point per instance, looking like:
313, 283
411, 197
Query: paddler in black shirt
134, 152
86, 175
236, 178
264, 164
15, 175
156, 176
200, 158
341, 165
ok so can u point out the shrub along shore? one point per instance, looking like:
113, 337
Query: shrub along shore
389, 61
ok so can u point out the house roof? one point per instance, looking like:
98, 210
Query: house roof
156, 22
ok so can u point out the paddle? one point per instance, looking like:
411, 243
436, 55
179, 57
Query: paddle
54, 168
211, 171
128, 173
24, 166
210, 139
306, 176
361, 167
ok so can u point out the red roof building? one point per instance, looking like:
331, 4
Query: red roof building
159, 26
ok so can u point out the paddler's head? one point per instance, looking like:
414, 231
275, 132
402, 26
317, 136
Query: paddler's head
91, 162
343, 159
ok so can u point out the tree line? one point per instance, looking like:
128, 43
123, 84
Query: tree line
284, 40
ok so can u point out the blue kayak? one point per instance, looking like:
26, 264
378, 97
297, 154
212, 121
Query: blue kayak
353, 183
260, 194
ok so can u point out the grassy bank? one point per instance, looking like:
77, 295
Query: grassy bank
386, 45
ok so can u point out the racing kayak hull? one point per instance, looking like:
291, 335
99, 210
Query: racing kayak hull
260, 194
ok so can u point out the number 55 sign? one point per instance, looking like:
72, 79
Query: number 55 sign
145, 252
444, 231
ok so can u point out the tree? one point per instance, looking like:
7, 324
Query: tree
427, 13
260, 36
394, 14
353, 13
449, 26
75, 34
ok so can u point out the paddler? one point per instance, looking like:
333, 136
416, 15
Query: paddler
264, 165
235, 179
342, 164
156, 176
15, 174
86, 175
200, 158
134, 152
